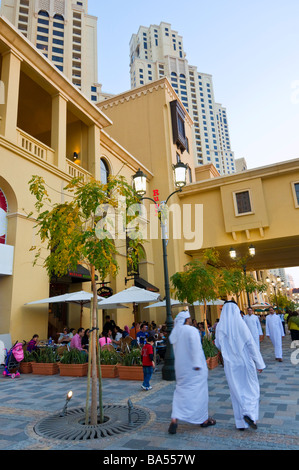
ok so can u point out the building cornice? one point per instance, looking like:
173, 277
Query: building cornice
135, 93
269, 171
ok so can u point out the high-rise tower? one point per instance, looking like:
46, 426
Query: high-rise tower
64, 32
158, 51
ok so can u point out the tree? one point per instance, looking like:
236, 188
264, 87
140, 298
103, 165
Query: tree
82, 230
207, 279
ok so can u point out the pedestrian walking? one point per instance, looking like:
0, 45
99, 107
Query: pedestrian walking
254, 325
293, 325
148, 364
242, 359
274, 330
190, 399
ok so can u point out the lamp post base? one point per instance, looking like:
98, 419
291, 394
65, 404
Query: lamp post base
168, 372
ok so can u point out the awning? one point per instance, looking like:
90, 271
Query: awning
80, 274
143, 284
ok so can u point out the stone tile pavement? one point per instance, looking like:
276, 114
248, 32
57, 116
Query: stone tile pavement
27, 400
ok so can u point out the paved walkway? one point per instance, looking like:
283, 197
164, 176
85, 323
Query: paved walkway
27, 400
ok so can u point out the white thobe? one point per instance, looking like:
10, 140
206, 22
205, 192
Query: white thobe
190, 399
274, 329
241, 374
254, 325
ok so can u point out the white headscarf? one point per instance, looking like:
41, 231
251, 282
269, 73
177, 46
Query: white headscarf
178, 324
232, 333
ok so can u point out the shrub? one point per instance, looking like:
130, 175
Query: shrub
74, 356
132, 358
45, 355
209, 347
109, 357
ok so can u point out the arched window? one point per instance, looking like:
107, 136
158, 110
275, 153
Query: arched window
58, 17
43, 13
3, 218
104, 171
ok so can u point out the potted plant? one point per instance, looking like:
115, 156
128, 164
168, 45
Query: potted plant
73, 363
130, 366
45, 361
210, 351
25, 364
109, 360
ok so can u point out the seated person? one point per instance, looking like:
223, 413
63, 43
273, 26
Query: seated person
134, 330
64, 337
126, 332
116, 336
142, 335
105, 338
76, 341
32, 345
85, 339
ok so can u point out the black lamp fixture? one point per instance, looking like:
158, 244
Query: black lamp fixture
139, 184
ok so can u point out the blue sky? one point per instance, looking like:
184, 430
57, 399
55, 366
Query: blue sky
251, 47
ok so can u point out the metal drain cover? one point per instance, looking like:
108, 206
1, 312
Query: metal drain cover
117, 419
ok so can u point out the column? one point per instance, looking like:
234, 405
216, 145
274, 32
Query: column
94, 151
10, 78
58, 130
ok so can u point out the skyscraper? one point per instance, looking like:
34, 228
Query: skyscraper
158, 51
64, 32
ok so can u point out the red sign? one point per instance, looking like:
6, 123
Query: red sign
3, 219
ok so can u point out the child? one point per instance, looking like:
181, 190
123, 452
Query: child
148, 364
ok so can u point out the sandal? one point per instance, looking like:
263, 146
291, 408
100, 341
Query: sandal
249, 421
209, 422
172, 428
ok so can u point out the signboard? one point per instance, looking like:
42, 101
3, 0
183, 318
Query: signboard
105, 292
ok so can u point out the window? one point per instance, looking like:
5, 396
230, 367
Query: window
296, 194
104, 171
243, 203
178, 125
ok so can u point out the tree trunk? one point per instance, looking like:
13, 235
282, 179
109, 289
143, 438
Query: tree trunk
89, 369
93, 352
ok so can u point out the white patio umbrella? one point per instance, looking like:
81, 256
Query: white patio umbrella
133, 295
81, 298
173, 302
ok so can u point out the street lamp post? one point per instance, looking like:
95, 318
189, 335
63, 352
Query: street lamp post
233, 255
180, 180
275, 286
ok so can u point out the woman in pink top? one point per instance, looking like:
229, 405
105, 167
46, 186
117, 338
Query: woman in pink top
105, 338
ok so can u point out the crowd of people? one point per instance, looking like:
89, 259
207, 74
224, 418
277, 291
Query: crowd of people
237, 337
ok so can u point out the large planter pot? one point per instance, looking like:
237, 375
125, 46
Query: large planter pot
73, 370
109, 371
130, 372
42, 368
212, 362
25, 368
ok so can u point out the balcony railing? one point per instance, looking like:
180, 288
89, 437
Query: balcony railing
35, 147
76, 171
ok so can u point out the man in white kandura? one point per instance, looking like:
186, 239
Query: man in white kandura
242, 359
274, 330
190, 399
254, 324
